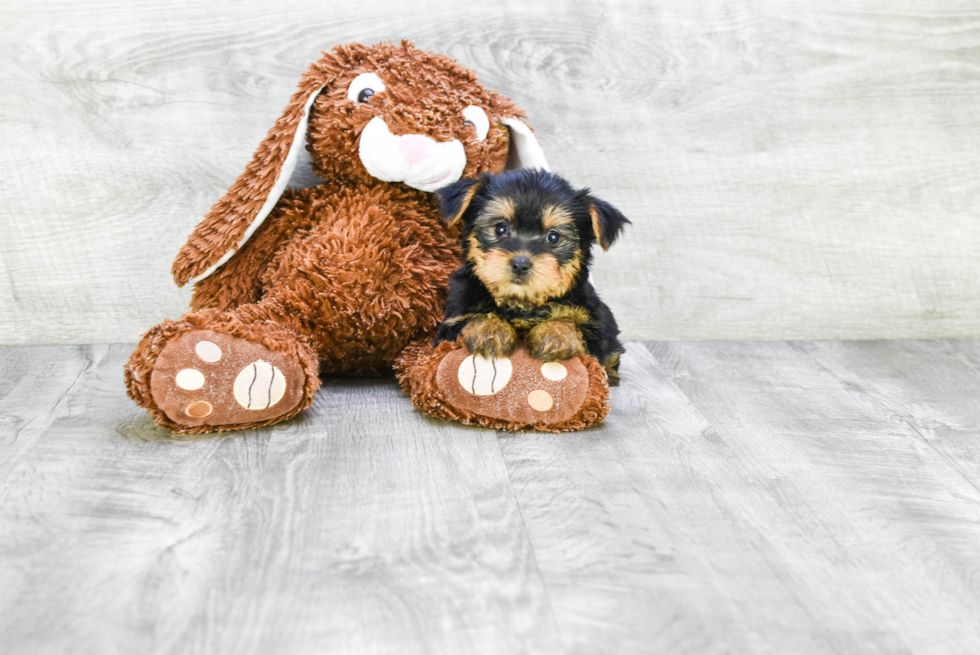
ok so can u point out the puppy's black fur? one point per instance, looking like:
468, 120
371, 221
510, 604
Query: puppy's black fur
527, 243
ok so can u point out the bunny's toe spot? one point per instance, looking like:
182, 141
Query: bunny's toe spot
189, 379
554, 371
540, 400
209, 351
199, 409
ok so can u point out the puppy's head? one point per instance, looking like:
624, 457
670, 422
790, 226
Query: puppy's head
528, 234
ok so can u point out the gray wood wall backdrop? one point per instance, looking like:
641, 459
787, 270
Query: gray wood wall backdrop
793, 170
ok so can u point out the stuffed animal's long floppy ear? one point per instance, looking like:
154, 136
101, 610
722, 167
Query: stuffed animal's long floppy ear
525, 151
607, 222
235, 217
455, 199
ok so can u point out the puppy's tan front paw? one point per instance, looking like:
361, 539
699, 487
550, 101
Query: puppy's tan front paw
555, 340
489, 336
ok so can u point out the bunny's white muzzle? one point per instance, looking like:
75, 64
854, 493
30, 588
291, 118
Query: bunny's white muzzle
418, 161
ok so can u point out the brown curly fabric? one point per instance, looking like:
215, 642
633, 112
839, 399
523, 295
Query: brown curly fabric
418, 369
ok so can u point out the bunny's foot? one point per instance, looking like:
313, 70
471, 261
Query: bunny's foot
514, 392
201, 380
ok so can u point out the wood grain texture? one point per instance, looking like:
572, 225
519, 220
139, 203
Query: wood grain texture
36, 387
610, 513
838, 511
361, 527
792, 171
932, 386
742, 497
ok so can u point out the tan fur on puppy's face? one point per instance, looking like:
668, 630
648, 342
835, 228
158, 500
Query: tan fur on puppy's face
547, 279
425, 93
556, 216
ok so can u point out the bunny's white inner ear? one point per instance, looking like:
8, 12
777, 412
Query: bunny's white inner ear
282, 181
525, 151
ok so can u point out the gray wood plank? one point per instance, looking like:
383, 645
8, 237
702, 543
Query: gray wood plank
36, 385
875, 531
359, 527
782, 163
741, 499
933, 386
607, 511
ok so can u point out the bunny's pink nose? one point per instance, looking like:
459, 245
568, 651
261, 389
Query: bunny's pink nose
415, 147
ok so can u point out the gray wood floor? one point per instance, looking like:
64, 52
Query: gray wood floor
742, 497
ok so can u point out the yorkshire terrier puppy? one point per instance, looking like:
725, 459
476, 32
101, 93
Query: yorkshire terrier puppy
527, 241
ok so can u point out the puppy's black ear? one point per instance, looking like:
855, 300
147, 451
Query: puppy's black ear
607, 222
455, 199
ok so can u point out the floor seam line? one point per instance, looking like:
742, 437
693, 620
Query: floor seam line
534, 552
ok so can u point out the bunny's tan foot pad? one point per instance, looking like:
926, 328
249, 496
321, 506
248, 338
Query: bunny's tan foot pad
206, 378
513, 393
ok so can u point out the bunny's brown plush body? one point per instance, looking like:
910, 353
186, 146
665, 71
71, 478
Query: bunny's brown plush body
341, 278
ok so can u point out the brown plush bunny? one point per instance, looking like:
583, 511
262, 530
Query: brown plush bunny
341, 278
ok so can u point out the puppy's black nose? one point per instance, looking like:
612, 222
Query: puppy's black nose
520, 265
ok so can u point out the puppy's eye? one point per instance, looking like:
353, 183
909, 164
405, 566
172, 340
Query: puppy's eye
478, 119
500, 229
364, 86
553, 237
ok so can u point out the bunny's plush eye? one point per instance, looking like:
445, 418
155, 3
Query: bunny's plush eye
364, 86
478, 119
